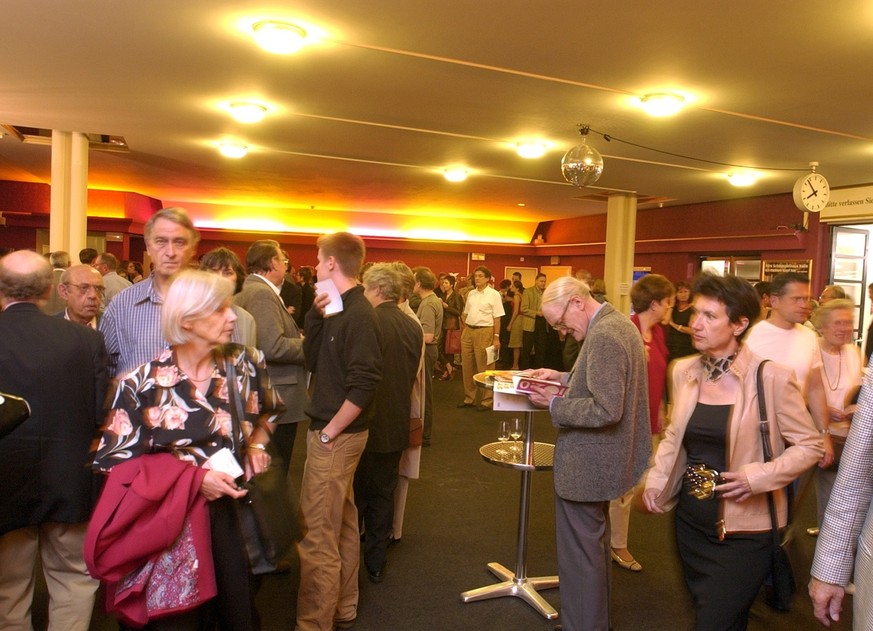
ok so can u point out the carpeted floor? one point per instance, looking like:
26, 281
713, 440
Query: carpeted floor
463, 513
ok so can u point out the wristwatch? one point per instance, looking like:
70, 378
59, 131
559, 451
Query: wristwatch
324, 438
260, 446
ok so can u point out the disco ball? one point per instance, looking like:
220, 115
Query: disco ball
582, 165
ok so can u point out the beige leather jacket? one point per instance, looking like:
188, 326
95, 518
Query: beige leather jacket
790, 424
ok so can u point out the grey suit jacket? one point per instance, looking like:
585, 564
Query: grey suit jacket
604, 438
279, 339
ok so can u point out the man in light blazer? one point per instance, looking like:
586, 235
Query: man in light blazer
603, 443
277, 336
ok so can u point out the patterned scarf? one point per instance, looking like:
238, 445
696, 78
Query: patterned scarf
715, 369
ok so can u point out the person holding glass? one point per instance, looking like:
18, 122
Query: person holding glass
179, 404
724, 537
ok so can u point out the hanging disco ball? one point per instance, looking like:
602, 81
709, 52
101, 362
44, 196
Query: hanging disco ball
582, 165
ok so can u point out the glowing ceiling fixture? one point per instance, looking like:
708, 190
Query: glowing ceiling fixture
531, 150
455, 175
742, 178
232, 149
662, 103
280, 38
247, 111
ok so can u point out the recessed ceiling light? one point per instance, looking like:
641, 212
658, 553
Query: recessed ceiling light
662, 103
232, 149
455, 175
742, 178
280, 38
531, 150
247, 111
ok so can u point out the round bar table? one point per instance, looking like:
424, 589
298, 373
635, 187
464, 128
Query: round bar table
532, 457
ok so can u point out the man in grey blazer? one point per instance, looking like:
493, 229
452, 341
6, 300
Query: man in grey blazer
277, 336
603, 443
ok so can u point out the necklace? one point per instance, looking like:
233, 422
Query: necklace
824, 368
714, 369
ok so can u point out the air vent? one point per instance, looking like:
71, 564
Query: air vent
641, 199
37, 136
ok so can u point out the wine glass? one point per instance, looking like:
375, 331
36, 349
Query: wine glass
515, 433
502, 436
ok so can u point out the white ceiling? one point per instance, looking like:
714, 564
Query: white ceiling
399, 89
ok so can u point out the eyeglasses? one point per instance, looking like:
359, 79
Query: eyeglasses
84, 288
559, 325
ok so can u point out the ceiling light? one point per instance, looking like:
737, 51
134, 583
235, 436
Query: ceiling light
531, 150
232, 149
281, 38
582, 165
662, 103
742, 178
455, 175
247, 111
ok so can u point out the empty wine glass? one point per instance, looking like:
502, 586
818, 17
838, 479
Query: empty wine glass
502, 436
515, 433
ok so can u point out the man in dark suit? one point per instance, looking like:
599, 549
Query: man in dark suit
603, 444
290, 292
277, 335
49, 490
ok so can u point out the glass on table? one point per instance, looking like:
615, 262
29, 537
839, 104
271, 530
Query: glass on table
503, 436
515, 431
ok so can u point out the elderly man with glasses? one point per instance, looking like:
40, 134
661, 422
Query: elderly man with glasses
81, 289
603, 442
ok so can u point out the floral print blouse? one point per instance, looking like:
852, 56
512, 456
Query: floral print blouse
156, 408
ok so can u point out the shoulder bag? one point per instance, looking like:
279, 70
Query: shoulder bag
781, 573
266, 520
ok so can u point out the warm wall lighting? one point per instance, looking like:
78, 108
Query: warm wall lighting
280, 38
247, 111
232, 149
742, 178
531, 150
662, 103
455, 175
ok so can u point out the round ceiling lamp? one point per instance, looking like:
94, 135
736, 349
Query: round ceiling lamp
280, 38
583, 164
455, 174
742, 179
662, 104
531, 150
247, 111
232, 149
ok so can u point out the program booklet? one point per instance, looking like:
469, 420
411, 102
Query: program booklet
526, 384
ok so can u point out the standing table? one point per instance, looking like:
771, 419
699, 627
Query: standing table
532, 457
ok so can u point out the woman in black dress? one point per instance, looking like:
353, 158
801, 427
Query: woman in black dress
724, 537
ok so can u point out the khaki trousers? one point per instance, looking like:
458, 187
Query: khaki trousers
473, 360
331, 546
71, 590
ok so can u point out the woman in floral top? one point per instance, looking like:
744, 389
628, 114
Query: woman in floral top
178, 403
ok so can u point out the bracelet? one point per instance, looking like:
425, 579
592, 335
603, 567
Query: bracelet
260, 446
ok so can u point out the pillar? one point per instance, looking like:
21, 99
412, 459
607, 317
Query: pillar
621, 226
68, 219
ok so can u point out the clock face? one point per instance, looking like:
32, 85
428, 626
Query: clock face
811, 192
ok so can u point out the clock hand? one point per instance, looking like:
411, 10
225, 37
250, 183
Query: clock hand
813, 194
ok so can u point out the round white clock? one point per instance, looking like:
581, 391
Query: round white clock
811, 192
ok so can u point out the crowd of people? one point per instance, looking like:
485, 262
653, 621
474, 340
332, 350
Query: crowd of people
191, 380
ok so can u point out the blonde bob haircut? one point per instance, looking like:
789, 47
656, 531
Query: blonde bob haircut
193, 294
564, 288
821, 316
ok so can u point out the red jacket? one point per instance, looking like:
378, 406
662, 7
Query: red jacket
133, 542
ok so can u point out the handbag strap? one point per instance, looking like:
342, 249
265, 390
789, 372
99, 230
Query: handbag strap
765, 443
236, 409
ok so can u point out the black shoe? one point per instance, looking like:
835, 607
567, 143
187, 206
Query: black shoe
345, 624
376, 577
483, 408
393, 542
464, 404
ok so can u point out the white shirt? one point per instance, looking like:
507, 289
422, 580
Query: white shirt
796, 348
270, 284
482, 307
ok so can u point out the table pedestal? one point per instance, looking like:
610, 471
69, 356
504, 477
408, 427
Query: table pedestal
533, 457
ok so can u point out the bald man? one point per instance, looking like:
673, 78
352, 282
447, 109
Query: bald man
48, 488
81, 289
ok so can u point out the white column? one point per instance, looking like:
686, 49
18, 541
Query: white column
621, 227
68, 227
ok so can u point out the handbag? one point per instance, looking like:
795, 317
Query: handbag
781, 573
13, 412
453, 341
265, 517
